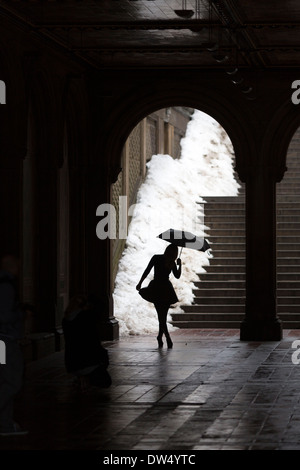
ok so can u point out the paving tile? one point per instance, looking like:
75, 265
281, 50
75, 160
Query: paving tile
211, 392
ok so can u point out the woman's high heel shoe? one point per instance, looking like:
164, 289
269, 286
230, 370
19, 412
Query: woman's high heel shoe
169, 343
160, 342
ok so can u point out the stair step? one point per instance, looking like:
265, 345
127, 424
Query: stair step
227, 261
227, 241
218, 269
223, 309
229, 224
285, 239
292, 183
286, 324
209, 308
290, 252
222, 199
218, 211
234, 325
282, 241
287, 269
200, 300
207, 316
232, 218
220, 284
284, 216
288, 284
292, 261
226, 232
241, 276
221, 292
290, 300
288, 293
220, 276
234, 283
286, 276
288, 310
219, 295
227, 253
229, 207
283, 207
238, 316
287, 225
287, 198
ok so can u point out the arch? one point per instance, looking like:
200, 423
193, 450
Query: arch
121, 122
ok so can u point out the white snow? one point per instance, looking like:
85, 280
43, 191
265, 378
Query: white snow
171, 197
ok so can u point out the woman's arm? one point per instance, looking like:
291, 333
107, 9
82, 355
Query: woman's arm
145, 273
177, 270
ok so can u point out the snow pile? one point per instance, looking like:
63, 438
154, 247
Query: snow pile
171, 197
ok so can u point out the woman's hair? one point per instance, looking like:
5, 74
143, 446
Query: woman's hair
79, 302
171, 253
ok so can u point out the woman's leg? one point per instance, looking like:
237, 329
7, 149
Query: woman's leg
162, 312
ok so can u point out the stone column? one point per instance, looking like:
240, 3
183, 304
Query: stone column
160, 135
10, 203
261, 322
169, 139
98, 251
125, 171
143, 127
46, 250
77, 271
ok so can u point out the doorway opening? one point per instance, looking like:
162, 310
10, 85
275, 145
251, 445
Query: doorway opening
178, 172
288, 238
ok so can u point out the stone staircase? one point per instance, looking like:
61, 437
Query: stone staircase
288, 239
220, 293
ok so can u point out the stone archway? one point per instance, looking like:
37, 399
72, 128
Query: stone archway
119, 124
287, 212
199, 315
215, 105
253, 150
288, 234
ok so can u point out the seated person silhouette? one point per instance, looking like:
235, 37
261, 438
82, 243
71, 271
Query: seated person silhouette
85, 357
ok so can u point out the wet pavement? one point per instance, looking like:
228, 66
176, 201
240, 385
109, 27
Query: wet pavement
210, 392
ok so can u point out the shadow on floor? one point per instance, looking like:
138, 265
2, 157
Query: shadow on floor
210, 392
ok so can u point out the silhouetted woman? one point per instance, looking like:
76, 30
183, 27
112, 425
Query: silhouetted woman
160, 291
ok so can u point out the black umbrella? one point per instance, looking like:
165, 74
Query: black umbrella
185, 239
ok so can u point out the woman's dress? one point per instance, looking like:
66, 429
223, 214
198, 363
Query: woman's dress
160, 290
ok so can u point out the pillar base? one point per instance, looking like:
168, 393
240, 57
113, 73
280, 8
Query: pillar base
109, 330
261, 330
59, 339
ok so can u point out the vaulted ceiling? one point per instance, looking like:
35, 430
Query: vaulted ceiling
166, 33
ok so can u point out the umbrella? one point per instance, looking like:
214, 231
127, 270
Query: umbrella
185, 239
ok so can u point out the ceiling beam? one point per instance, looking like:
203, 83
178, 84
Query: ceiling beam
193, 25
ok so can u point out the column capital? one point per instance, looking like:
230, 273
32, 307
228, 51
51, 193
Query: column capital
249, 172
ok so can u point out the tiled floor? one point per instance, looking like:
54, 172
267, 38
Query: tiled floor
211, 391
